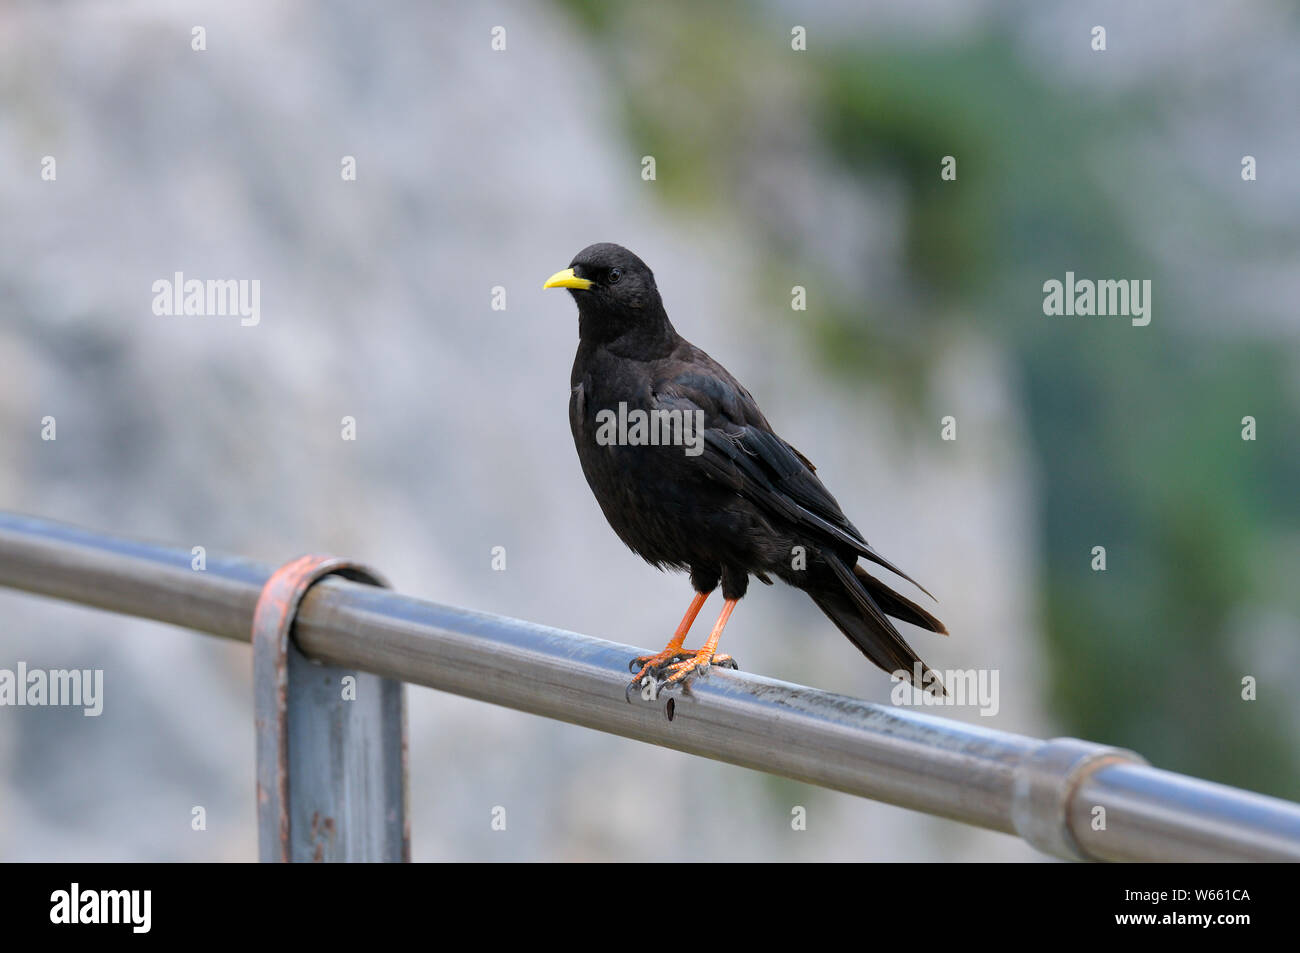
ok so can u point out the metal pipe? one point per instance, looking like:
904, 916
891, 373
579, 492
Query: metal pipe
1047, 792
133, 578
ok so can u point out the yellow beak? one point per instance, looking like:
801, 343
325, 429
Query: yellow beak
567, 279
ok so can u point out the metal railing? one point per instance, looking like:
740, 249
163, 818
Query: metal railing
331, 774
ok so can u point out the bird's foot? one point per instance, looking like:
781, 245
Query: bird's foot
672, 666
652, 664
699, 663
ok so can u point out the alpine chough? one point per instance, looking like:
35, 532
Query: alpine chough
692, 477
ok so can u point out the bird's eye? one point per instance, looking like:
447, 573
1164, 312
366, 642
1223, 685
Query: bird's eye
614, 275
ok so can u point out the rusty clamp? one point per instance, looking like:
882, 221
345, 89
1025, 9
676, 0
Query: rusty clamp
331, 742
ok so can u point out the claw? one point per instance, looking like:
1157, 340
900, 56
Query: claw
639, 683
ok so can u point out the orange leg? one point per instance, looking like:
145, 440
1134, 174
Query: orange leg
674, 649
705, 657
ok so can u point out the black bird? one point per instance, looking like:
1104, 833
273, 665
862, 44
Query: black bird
692, 477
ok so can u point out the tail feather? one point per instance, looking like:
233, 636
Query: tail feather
857, 603
900, 607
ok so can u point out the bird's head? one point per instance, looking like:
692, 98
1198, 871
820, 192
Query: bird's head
615, 292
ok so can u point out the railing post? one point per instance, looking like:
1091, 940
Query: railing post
331, 742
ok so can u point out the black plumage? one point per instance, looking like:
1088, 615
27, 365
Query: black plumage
735, 499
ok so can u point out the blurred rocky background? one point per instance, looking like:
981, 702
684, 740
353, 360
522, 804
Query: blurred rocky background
478, 168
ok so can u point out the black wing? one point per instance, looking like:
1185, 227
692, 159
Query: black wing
742, 452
